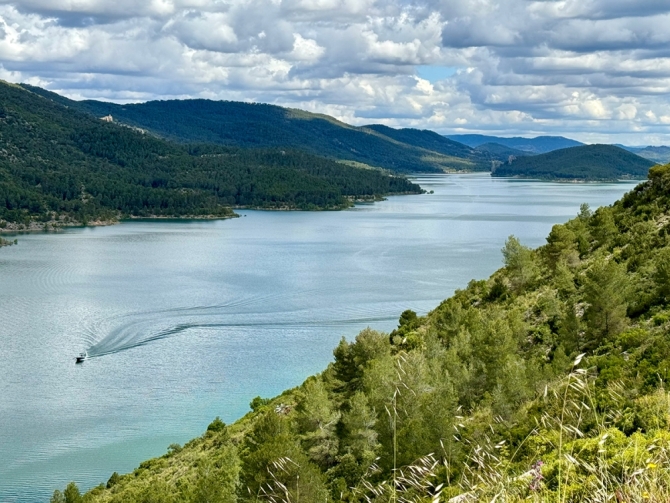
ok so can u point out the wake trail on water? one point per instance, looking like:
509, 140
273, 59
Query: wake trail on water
132, 330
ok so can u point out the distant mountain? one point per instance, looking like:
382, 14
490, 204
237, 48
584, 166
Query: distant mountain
58, 164
590, 162
428, 140
660, 154
501, 151
260, 125
538, 145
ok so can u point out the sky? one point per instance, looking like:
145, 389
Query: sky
593, 70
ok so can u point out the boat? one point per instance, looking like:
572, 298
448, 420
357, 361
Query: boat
80, 358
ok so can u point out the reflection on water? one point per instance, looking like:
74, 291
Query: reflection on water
185, 321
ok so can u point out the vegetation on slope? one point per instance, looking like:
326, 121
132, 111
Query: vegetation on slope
544, 382
260, 125
590, 162
57, 164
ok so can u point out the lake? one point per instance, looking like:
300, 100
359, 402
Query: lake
185, 321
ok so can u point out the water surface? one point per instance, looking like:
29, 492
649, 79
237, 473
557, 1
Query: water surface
185, 321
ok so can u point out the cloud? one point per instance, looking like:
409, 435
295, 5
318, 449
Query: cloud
593, 69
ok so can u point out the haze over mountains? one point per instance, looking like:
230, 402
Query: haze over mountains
538, 145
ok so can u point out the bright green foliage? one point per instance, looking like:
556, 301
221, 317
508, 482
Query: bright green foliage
216, 425
605, 291
317, 420
546, 382
521, 265
57, 497
71, 494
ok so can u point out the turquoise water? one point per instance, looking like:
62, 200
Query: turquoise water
185, 321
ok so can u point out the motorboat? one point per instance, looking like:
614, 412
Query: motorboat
80, 358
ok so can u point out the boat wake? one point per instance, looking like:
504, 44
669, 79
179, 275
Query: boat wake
132, 330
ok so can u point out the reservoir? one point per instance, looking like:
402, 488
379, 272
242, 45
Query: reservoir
188, 320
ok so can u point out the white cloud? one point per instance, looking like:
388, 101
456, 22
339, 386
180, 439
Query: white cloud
591, 69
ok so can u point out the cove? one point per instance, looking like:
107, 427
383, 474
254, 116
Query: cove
185, 321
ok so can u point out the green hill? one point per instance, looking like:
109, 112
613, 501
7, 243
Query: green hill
259, 125
60, 165
590, 162
545, 382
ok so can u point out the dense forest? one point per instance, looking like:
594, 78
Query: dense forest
59, 165
589, 162
544, 382
261, 125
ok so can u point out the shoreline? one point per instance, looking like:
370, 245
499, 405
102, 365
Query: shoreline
59, 225
56, 226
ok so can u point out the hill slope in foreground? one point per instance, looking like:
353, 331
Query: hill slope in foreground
543, 382
58, 165
590, 162
260, 125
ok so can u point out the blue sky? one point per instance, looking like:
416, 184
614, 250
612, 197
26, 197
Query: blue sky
594, 70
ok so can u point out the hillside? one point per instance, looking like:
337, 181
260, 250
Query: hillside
260, 125
590, 162
60, 165
545, 382
428, 140
537, 145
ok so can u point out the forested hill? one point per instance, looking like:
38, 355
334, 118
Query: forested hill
589, 162
60, 164
545, 382
260, 125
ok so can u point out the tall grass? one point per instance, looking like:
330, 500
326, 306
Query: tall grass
583, 458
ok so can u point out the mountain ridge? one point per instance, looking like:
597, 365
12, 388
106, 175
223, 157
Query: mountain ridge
536, 145
241, 124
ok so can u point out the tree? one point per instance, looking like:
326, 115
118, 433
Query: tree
351, 360
662, 276
317, 422
606, 292
72, 494
358, 425
217, 482
520, 263
603, 227
561, 245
